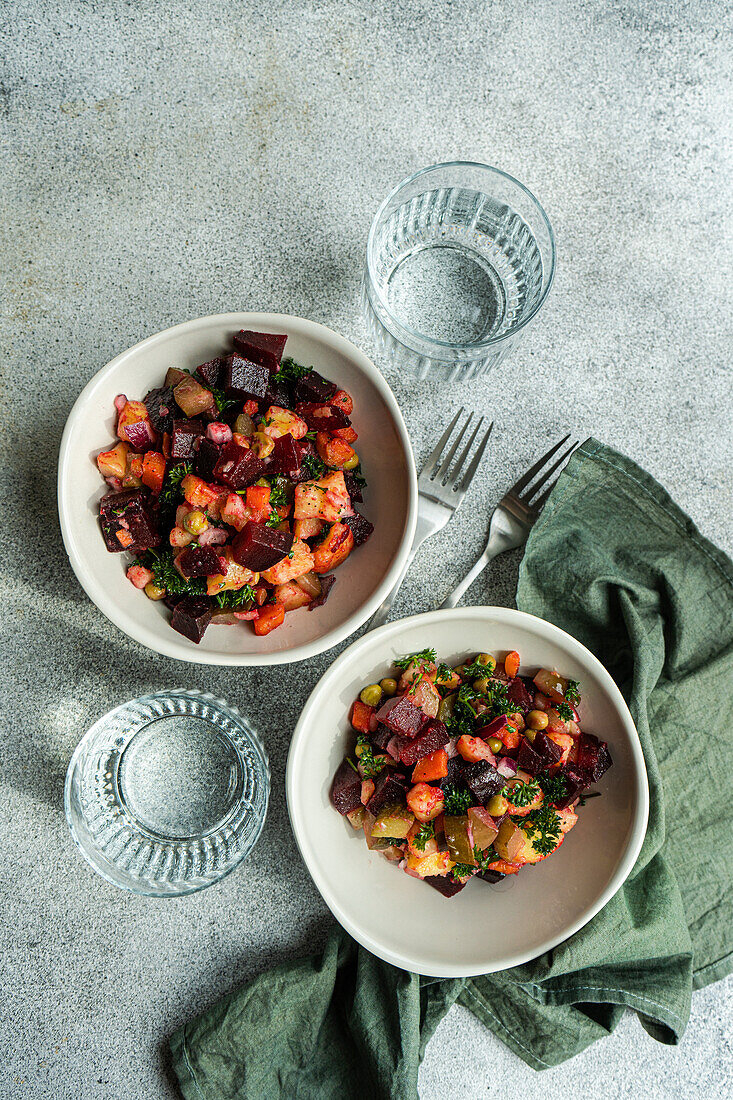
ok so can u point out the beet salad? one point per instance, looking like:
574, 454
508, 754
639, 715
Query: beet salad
464, 772
234, 488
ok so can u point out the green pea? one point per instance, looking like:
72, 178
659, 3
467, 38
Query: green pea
371, 695
388, 685
495, 744
497, 805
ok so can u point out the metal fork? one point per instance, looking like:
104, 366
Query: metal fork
514, 515
440, 490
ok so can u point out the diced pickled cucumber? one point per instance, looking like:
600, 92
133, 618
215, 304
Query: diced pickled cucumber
395, 821
458, 837
510, 841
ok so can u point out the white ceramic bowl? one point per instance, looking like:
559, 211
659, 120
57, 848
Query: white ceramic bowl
484, 928
390, 500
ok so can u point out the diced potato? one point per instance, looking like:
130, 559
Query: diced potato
326, 499
291, 596
236, 576
334, 549
298, 562
278, 422
438, 863
114, 463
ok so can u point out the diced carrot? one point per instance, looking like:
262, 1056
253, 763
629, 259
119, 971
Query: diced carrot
334, 549
334, 452
269, 619
511, 663
258, 502
510, 737
139, 575
153, 470
124, 538
433, 766
503, 867
347, 434
361, 716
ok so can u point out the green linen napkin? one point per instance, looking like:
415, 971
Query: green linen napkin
616, 563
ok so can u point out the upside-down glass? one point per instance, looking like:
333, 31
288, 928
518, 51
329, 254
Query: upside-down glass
166, 794
460, 259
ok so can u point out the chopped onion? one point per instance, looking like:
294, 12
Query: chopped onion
507, 767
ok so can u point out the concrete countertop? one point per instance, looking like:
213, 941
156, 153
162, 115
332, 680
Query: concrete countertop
164, 161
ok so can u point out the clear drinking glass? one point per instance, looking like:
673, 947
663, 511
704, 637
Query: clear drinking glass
166, 794
460, 259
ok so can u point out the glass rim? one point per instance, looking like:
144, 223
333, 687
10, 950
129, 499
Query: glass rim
448, 345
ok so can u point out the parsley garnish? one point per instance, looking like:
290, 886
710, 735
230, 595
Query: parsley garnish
553, 787
273, 520
358, 476
542, 827
425, 833
222, 401
444, 674
455, 802
279, 491
172, 485
475, 671
423, 655
565, 711
313, 467
464, 870
523, 794
167, 576
572, 692
463, 717
584, 797
290, 371
371, 766
241, 597
483, 859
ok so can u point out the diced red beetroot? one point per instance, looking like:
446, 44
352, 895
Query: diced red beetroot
529, 760
576, 781
314, 387
494, 728
321, 418
432, 736
353, 488
360, 526
402, 716
519, 694
140, 435
244, 379
160, 406
548, 749
327, 583
278, 393
447, 885
206, 458
390, 788
483, 781
210, 372
218, 432
285, 458
259, 547
129, 512
184, 435
490, 876
191, 616
593, 755
265, 348
238, 467
346, 788
381, 736
394, 745
457, 767
201, 561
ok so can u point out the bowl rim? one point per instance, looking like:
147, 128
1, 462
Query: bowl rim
171, 647
640, 817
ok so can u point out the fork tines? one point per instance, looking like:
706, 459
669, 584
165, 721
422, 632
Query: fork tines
444, 469
530, 498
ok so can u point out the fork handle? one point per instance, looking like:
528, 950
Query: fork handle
496, 545
381, 615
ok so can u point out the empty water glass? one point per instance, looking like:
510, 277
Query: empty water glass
460, 259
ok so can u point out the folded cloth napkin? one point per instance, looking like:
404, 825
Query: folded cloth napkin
614, 562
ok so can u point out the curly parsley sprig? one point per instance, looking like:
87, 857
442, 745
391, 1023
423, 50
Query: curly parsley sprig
427, 655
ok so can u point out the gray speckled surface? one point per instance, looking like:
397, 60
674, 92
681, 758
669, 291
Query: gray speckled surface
162, 161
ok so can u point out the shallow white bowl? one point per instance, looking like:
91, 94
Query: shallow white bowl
390, 500
484, 928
